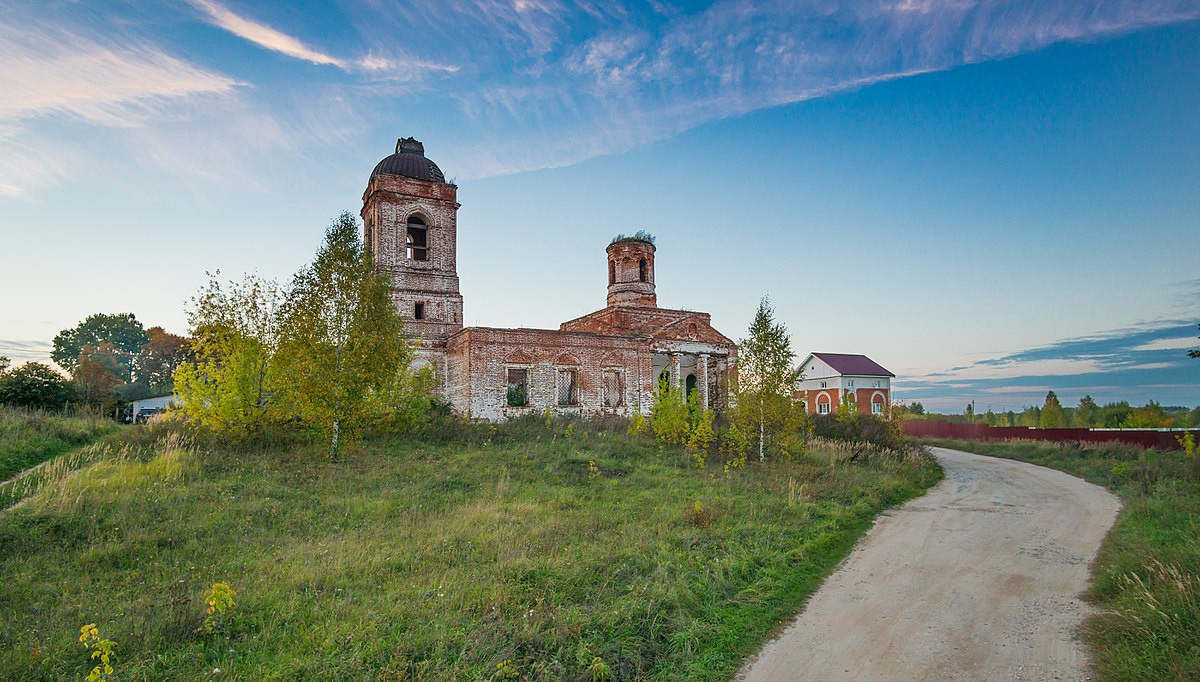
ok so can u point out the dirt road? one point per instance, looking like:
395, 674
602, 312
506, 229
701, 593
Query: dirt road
977, 580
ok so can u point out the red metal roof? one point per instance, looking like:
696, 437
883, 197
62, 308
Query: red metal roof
860, 365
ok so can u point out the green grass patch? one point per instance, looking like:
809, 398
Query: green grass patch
30, 437
524, 551
1147, 575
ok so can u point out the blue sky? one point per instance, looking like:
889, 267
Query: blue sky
991, 199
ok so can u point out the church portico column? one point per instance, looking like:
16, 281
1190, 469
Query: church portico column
675, 374
704, 382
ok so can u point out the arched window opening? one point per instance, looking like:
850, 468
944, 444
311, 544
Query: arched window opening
690, 383
418, 246
642, 270
612, 272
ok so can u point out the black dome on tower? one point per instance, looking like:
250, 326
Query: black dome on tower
409, 161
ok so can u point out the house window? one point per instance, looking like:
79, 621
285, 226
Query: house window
824, 384
689, 385
642, 270
822, 408
850, 383
568, 392
876, 384
876, 408
517, 394
418, 247
613, 387
419, 311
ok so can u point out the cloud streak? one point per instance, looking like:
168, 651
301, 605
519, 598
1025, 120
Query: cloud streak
1137, 364
53, 73
262, 35
277, 41
635, 79
56, 71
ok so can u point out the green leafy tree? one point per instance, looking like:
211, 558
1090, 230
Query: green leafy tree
158, 359
1113, 415
1149, 416
343, 339
35, 385
669, 412
969, 413
122, 330
4, 363
1052, 413
916, 408
847, 412
1087, 413
764, 399
97, 375
1030, 416
229, 383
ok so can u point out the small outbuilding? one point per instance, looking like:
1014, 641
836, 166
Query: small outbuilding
830, 376
144, 408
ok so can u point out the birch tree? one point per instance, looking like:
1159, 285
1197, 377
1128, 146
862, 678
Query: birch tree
343, 340
766, 379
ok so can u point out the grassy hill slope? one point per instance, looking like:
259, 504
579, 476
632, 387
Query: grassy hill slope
528, 551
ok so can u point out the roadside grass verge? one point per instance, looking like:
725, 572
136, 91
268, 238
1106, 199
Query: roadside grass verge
1147, 574
29, 437
531, 550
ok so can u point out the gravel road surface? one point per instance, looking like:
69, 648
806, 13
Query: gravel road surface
977, 580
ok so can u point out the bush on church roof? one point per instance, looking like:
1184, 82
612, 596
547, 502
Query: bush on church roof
640, 236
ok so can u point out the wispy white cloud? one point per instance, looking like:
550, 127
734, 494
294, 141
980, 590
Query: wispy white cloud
1168, 344
635, 79
115, 83
277, 41
62, 74
20, 351
262, 35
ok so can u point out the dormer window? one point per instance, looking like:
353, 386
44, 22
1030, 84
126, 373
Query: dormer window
418, 246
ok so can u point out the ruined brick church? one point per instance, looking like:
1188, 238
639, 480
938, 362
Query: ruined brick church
605, 362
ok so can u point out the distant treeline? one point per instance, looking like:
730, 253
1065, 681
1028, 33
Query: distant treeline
1087, 414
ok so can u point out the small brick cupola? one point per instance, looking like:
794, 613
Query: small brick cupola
631, 271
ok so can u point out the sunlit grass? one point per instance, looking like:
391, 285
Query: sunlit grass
30, 437
431, 557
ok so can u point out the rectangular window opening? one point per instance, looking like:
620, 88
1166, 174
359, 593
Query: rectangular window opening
517, 395
417, 247
419, 311
568, 393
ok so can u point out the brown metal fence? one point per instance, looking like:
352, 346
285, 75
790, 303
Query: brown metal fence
1147, 438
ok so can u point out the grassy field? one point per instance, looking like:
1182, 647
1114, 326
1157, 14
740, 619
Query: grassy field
1147, 576
30, 437
532, 552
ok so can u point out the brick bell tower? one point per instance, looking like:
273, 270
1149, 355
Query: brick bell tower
410, 222
631, 272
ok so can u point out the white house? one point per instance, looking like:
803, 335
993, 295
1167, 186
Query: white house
830, 376
148, 406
